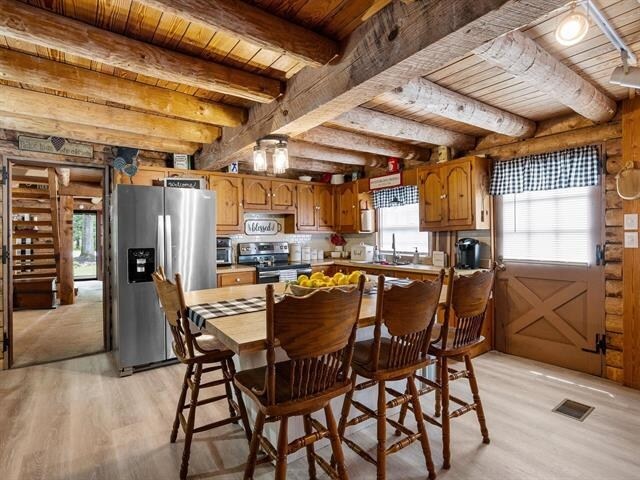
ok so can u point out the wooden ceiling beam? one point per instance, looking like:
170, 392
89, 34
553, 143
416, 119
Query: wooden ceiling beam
334, 155
522, 57
334, 137
399, 43
40, 27
378, 123
91, 134
306, 165
40, 72
257, 26
53, 107
441, 101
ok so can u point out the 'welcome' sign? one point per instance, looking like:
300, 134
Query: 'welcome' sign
262, 227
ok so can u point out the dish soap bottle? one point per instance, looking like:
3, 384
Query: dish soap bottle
416, 257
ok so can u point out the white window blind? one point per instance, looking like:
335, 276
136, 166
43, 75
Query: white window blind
550, 225
404, 221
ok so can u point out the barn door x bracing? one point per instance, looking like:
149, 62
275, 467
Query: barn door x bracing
550, 288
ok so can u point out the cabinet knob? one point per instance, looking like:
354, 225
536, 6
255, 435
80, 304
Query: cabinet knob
443, 196
237, 280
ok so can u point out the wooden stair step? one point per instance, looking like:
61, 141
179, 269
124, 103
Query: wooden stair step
33, 256
31, 210
35, 266
28, 234
34, 194
33, 246
32, 223
30, 179
34, 275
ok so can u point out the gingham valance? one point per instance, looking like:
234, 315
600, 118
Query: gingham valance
574, 167
395, 197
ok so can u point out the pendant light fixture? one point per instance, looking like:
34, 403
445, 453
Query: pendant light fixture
277, 145
573, 27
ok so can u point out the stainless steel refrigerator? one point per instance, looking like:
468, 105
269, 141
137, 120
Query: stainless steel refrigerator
156, 226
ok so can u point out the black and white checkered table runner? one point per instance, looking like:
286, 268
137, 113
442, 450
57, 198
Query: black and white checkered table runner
199, 314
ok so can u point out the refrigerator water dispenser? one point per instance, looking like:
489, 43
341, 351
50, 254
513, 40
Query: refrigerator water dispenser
142, 263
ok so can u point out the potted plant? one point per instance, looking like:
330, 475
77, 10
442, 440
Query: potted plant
338, 242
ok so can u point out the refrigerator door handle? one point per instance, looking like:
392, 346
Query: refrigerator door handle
169, 251
160, 244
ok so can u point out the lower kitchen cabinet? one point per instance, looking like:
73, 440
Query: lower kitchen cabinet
236, 278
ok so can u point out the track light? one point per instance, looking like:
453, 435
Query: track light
572, 28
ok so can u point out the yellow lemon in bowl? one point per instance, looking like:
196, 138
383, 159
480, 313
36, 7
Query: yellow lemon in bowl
302, 278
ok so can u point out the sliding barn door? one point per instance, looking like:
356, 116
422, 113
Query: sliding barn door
550, 287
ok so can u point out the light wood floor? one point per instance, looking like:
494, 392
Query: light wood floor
64, 332
76, 420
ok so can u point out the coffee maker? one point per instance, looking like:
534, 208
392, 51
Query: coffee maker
467, 253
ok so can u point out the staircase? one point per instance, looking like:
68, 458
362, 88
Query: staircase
35, 244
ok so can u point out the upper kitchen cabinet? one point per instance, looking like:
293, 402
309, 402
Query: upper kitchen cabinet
257, 194
283, 196
229, 210
454, 195
347, 209
314, 209
144, 176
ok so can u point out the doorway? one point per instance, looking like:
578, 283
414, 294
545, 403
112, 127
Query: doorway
56, 237
550, 284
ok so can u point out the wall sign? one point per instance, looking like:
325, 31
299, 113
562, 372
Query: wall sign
387, 181
57, 145
178, 182
262, 227
181, 160
233, 168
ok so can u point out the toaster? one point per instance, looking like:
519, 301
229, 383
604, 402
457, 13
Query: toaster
362, 253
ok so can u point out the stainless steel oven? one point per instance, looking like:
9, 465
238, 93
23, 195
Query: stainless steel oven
224, 251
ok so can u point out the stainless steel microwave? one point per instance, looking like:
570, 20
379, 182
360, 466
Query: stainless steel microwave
224, 251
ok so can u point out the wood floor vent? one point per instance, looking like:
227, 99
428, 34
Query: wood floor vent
576, 410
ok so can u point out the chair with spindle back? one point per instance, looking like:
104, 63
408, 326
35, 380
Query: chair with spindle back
317, 334
466, 308
408, 313
196, 350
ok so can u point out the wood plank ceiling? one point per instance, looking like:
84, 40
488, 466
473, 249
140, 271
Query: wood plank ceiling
593, 59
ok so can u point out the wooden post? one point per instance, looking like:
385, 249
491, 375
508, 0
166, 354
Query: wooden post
66, 285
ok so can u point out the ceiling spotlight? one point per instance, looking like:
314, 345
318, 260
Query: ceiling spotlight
572, 28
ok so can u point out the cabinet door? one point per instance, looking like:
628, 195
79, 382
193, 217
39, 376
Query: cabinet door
144, 176
431, 201
306, 208
325, 207
229, 212
283, 196
257, 194
458, 203
347, 212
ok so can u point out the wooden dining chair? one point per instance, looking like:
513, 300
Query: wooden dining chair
408, 314
461, 330
201, 354
317, 333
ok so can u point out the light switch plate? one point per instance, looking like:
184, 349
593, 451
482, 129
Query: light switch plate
631, 221
630, 239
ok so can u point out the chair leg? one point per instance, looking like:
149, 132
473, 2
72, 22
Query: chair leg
424, 439
382, 432
446, 433
403, 414
308, 430
243, 409
190, 421
438, 403
181, 401
473, 382
283, 441
336, 446
254, 447
226, 374
344, 414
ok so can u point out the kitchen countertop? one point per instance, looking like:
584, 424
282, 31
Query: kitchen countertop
426, 269
236, 269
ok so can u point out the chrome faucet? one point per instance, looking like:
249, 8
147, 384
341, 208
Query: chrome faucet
394, 257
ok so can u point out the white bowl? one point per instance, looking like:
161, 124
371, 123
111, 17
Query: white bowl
336, 254
337, 179
304, 178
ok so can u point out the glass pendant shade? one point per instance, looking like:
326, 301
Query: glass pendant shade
572, 28
280, 158
259, 159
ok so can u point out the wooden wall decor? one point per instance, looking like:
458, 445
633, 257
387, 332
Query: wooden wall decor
56, 145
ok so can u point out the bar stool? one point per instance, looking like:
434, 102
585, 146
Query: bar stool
196, 350
467, 300
317, 333
408, 313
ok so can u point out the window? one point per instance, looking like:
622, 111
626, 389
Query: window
404, 222
550, 225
